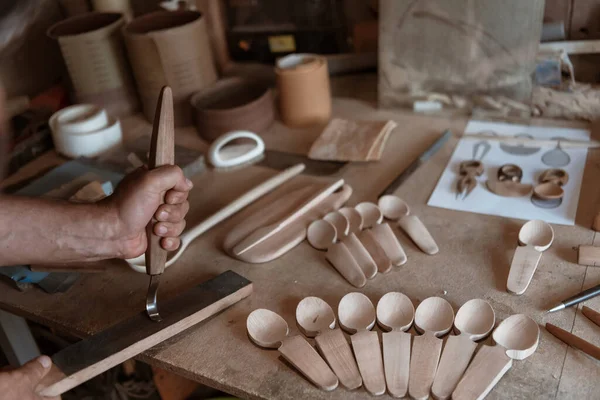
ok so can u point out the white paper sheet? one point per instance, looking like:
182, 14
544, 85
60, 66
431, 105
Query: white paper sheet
482, 201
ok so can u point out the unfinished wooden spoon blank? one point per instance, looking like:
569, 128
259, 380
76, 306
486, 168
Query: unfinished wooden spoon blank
395, 313
535, 237
340, 257
361, 255
397, 209
517, 338
321, 234
393, 207
548, 191
434, 317
390, 244
316, 318
268, 329
357, 316
354, 219
342, 226
368, 239
474, 321
508, 188
370, 213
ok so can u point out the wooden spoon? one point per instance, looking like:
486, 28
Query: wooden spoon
268, 329
395, 314
354, 219
548, 191
434, 317
357, 317
315, 318
474, 321
321, 235
394, 208
382, 234
517, 338
342, 225
371, 214
534, 237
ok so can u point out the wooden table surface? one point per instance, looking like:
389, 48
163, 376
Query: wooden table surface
474, 259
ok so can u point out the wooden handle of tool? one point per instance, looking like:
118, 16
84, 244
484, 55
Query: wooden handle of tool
596, 225
162, 152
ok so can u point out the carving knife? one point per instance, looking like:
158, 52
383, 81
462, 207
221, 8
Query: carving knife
162, 152
417, 163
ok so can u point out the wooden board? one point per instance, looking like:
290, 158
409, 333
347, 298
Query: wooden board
474, 259
90, 357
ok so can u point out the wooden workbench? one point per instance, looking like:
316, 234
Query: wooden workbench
474, 258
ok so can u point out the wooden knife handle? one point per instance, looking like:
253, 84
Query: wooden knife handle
162, 152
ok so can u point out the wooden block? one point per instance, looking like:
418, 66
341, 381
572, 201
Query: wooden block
90, 357
589, 255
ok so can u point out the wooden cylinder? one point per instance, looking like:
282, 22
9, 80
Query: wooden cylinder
589, 255
170, 48
93, 49
304, 92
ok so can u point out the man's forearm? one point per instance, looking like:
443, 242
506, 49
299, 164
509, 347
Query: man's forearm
40, 230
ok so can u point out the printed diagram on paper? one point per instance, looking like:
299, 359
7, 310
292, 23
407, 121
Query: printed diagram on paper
533, 160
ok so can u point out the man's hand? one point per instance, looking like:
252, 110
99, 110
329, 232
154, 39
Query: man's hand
20, 383
138, 198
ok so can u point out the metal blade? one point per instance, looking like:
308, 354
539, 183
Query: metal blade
151, 304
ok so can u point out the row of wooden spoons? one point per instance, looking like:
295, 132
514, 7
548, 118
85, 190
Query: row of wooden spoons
418, 368
359, 245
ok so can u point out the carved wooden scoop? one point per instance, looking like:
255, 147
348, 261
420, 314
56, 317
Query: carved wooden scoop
474, 321
395, 313
268, 329
394, 208
516, 338
434, 317
315, 318
534, 237
357, 317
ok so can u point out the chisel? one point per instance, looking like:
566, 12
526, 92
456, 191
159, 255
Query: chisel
162, 152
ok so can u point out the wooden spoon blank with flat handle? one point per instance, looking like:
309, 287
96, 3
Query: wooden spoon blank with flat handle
434, 317
395, 208
536, 236
517, 338
368, 239
342, 226
395, 313
357, 316
315, 318
321, 235
268, 329
361, 255
474, 321
354, 219
388, 241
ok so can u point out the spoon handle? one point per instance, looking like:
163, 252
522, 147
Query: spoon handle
368, 357
383, 262
488, 366
390, 244
522, 268
396, 360
298, 352
424, 359
361, 255
340, 257
418, 233
453, 364
338, 354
